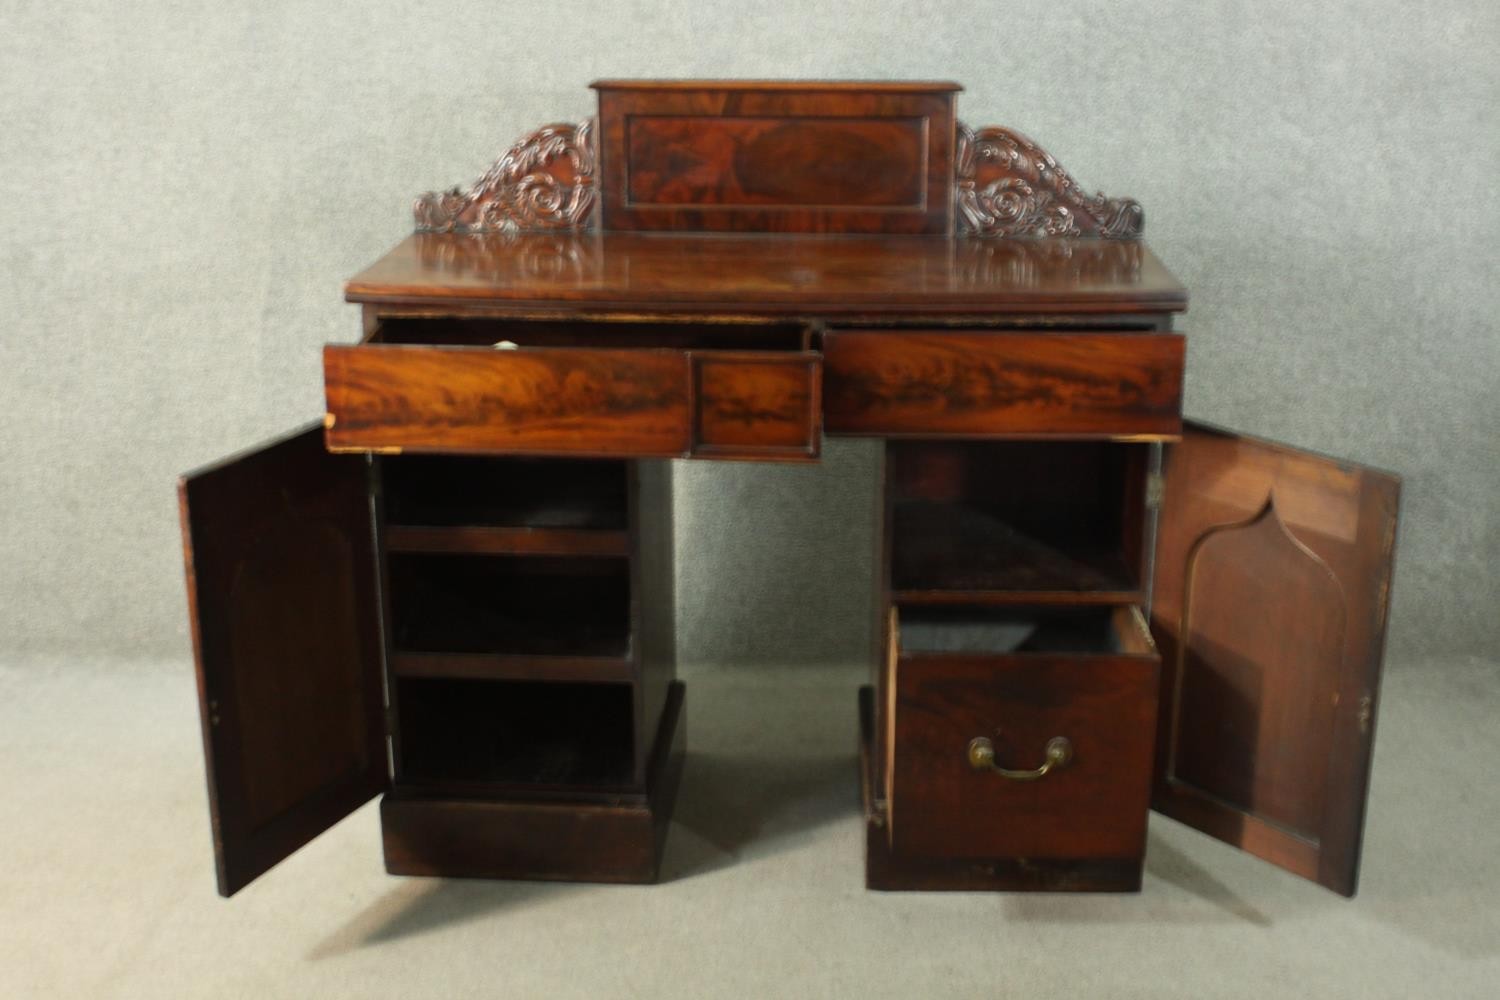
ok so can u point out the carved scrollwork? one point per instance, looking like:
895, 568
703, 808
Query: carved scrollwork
1007, 185
543, 182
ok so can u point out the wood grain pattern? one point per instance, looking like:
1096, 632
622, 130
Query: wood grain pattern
757, 275
745, 158
911, 383
281, 581
1095, 807
473, 400
757, 405
1273, 579
574, 401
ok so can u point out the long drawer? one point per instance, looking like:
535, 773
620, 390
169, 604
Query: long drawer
1021, 734
968, 383
574, 400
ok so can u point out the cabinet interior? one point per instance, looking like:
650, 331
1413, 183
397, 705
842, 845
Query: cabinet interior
505, 732
1014, 629
518, 605
1016, 521
447, 490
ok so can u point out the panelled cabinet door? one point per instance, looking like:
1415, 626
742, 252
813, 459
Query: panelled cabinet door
1273, 577
282, 587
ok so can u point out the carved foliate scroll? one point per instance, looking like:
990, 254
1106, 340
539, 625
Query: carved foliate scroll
543, 182
1008, 186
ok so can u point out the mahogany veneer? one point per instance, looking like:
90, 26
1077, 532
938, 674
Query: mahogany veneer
459, 592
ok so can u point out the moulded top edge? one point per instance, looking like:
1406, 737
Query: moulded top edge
893, 86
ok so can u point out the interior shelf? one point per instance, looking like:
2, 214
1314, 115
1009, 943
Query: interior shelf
487, 732
498, 540
945, 552
515, 605
1016, 522
500, 666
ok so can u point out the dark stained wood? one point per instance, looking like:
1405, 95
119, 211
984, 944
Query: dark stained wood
586, 496
573, 401
1094, 807
1008, 186
281, 580
920, 382
757, 405
488, 539
1272, 583
745, 157
955, 553
513, 667
764, 275
890, 871
653, 599
509, 605
473, 400
793, 86
541, 838
1015, 522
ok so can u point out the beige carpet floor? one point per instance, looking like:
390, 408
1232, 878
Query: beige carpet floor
106, 887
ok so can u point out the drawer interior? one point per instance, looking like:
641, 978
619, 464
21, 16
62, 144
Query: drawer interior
509, 605
1013, 520
1022, 629
491, 331
506, 732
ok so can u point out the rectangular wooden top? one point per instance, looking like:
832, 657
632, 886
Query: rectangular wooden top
770, 274
857, 86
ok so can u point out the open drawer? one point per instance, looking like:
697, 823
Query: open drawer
1020, 733
997, 383
495, 387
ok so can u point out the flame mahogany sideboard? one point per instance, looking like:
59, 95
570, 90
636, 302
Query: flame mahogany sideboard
457, 590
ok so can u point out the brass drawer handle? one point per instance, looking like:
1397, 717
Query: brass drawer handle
982, 758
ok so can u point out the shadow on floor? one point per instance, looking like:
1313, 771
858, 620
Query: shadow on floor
416, 906
733, 805
1163, 862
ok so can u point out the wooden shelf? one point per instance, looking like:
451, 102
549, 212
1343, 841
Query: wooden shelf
502, 667
492, 540
956, 553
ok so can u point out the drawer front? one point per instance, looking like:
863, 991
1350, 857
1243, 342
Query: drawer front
573, 401
1001, 384
1092, 806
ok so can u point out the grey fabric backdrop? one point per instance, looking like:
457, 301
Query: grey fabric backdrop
184, 187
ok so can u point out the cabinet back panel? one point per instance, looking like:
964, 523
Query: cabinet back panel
1015, 516
516, 732
510, 604
505, 492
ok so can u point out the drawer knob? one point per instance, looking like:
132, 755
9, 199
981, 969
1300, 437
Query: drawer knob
982, 758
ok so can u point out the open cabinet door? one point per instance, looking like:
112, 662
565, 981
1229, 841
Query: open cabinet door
282, 593
1273, 570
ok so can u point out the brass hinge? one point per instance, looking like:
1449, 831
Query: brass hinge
1156, 488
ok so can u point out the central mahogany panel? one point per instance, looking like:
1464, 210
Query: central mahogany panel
737, 162
755, 157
